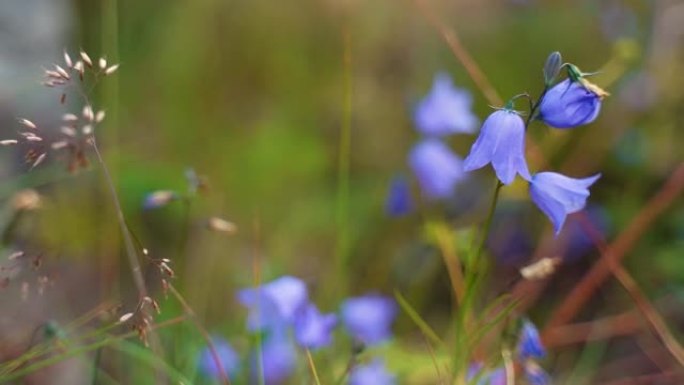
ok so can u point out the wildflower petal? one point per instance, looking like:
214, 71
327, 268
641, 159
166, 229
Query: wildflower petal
445, 110
274, 303
437, 168
557, 195
228, 357
313, 329
369, 318
398, 201
569, 104
502, 143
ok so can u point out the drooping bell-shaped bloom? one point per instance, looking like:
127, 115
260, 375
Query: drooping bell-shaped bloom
571, 103
312, 329
369, 318
437, 168
398, 201
501, 143
374, 373
227, 356
529, 342
274, 303
445, 110
278, 359
557, 195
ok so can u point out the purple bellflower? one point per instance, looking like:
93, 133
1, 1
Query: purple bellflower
557, 195
312, 329
571, 103
369, 318
278, 357
399, 198
229, 359
437, 168
374, 373
274, 303
529, 343
501, 143
445, 110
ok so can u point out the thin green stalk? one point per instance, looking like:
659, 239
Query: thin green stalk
342, 245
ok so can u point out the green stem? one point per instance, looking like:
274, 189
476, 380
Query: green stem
488, 222
342, 246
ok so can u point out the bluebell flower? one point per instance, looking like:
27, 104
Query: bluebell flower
369, 318
312, 329
228, 357
374, 373
557, 195
279, 359
274, 303
159, 198
571, 103
501, 143
437, 168
529, 342
535, 374
399, 198
445, 110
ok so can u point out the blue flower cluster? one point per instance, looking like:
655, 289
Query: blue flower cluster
446, 110
282, 314
501, 142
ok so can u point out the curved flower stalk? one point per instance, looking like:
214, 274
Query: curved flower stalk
557, 195
501, 143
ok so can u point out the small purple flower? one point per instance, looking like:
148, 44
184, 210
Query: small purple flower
399, 198
312, 329
501, 143
437, 168
374, 373
529, 343
274, 303
535, 374
369, 318
570, 104
279, 359
445, 110
557, 195
229, 359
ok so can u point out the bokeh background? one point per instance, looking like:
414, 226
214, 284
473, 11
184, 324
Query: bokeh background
254, 96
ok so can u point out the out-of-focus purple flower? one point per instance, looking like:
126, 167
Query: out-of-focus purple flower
399, 198
437, 168
571, 103
529, 342
312, 329
278, 357
557, 195
493, 377
159, 198
445, 110
374, 373
229, 359
274, 303
369, 318
535, 374
501, 143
